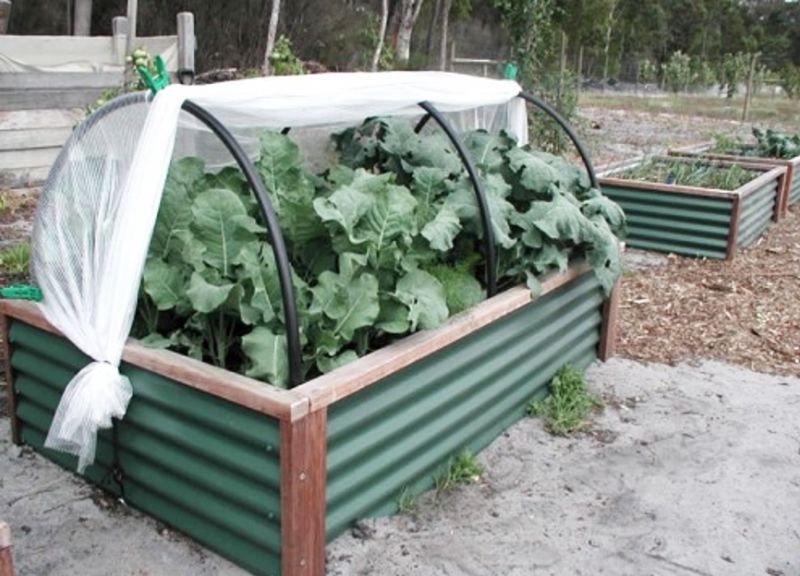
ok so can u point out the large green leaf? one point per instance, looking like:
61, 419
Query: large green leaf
174, 218
462, 290
535, 174
485, 150
463, 202
267, 353
442, 230
164, 283
558, 219
221, 223
346, 206
425, 298
206, 297
428, 185
330, 363
599, 205
186, 174
258, 274
290, 188
604, 254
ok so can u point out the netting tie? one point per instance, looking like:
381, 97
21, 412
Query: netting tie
21, 292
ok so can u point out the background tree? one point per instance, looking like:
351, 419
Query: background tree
272, 31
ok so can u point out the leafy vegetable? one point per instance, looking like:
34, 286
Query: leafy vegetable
698, 173
769, 144
386, 243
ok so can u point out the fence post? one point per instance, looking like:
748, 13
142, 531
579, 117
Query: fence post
132, 13
186, 47
82, 19
5, 14
119, 34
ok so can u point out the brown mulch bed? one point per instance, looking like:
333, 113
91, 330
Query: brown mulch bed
746, 311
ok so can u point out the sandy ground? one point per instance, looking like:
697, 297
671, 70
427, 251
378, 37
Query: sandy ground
687, 470
690, 470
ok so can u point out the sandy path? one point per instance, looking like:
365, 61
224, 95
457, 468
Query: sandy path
689, 470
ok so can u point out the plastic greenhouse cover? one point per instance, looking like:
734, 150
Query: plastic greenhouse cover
99, 205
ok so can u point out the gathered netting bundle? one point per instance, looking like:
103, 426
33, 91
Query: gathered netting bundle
386, 206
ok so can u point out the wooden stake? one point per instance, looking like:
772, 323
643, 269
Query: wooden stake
5, 14
733, 229
303, 446
5, 327
607, 348
133, 10
6, 563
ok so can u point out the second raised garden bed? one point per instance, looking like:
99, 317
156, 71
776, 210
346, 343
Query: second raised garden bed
792, 182
692, 220
749, 154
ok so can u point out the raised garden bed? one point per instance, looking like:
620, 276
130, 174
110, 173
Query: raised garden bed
265, 472
265, 476
748, 154
692, 220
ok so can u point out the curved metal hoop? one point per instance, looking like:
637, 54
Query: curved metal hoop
273, 231
480, 193
550, 111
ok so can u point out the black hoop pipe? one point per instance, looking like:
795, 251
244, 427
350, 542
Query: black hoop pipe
480, 193
421, 124
273, 231
550, 111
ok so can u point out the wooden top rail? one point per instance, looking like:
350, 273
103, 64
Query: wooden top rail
771, 172
247, 392
292, 405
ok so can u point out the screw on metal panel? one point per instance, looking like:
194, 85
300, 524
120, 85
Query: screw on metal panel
269, 448
302, 476
302, 561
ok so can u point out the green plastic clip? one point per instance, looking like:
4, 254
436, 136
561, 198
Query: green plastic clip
21, 292
157, 82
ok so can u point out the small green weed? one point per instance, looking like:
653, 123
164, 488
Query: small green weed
564, 410
406, 502
3, 203
16, 260
463, 469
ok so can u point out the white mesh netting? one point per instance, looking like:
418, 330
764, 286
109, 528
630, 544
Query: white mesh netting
100, 202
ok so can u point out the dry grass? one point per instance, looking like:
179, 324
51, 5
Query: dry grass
771, 111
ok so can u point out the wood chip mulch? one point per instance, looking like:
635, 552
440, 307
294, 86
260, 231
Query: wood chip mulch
746, 311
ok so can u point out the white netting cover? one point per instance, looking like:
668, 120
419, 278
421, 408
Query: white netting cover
99, 205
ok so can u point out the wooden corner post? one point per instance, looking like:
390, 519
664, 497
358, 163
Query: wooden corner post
5, 348
6, 563
302, 457
733, 229
607, 348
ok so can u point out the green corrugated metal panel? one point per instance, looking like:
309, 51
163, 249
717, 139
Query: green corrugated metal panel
394, 434
679, 223
756, 213
201, 464
794, 190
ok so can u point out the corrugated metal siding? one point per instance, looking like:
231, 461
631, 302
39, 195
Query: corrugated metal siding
794, 190
394, 434
679, 223
756, 213
203, 465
